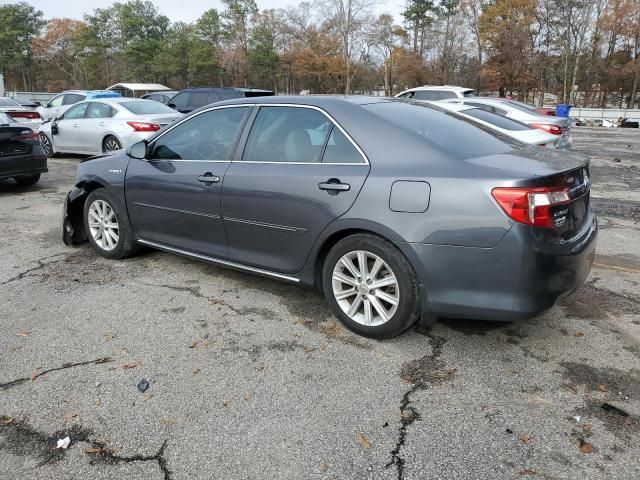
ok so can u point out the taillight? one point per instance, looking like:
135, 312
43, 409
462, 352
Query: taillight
29, 115
144, 126
549, 128
533, 206
28, 136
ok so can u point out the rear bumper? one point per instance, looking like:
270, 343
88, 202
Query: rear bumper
17, 166
519, 278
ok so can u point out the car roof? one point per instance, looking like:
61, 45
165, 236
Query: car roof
441, 87
309, 100
93, 93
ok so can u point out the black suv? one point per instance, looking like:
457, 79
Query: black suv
191, 99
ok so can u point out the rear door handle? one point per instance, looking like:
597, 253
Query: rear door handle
75, 125
334, 185
208, 178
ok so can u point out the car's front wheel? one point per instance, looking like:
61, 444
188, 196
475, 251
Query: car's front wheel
107, 227
370, 286
47, 146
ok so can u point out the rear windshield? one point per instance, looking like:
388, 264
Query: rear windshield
5, 102
495, 119
447, 131
523, 107
147, 107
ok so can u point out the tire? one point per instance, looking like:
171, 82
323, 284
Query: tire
47, 145
368, 319
28, 179
108, 242
111, 144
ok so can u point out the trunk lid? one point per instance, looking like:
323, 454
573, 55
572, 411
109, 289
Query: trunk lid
14, 140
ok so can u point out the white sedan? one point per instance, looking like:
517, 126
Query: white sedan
103, 125
507, 126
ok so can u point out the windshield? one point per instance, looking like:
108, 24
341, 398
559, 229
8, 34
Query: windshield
496, 120
6, 102
147, 107
449, 132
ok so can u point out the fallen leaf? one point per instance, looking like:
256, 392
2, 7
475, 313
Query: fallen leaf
524, 438
324, 467
23, 334
149, 396
68, 416
247, 396
586, 427
92, 450
195, 371
128, 366
364, 441
586, 447
6, 420
208, 343
226, 403
34, 375
602, 387
527, 472
578, 334
194, 344
570, 387
308, 349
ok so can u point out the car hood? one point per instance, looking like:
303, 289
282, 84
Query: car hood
532, 161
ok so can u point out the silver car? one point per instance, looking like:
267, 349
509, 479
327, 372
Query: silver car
558, 126
103, 125
19, 113
506, 126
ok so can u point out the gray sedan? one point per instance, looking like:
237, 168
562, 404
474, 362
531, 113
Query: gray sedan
397, 211
104, 125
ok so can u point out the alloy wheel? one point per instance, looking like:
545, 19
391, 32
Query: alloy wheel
103, 225
111, 145
46, 144
365, 288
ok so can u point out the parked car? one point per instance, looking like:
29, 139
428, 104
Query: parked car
434, 93
162, 97
21, 156
630, 123
26, 102
62, 102
395, 210
504, 125
19, 113
558, 126
191, 99
104, 125
576, 122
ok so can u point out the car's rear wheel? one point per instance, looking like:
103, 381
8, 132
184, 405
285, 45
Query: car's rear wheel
47, 146
111, 144
28, 179
370, 286
107, 227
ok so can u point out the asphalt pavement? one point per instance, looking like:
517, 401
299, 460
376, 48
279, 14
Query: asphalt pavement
249, 378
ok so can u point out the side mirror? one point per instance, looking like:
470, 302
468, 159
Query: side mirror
138, 150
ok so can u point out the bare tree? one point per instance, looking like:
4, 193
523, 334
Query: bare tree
348, 18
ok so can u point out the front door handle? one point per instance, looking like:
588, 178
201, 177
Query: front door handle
208, 178
334, 185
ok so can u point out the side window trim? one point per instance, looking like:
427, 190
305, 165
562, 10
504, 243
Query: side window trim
253, 115
234, 148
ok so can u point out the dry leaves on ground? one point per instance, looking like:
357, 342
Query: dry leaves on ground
363, 440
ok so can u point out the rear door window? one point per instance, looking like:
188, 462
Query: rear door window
339, 149
287, 135
180, 100
71, 98
426, 95
56, 101
198, 99
99, 110
446, 94
446, 131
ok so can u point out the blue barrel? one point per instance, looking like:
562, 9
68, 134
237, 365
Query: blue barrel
562, 110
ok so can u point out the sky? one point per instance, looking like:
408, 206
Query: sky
176, 10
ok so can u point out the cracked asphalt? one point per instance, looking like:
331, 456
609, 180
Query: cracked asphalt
253, 379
